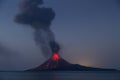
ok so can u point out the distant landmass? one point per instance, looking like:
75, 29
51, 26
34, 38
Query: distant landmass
55, 63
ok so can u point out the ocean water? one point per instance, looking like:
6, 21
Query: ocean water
60, 75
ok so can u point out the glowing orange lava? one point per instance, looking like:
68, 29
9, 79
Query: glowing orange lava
55, 56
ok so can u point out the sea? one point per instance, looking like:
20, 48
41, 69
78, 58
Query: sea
61, 75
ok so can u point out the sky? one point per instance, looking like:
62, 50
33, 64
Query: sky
87, 31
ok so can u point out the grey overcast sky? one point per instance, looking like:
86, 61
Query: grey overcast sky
87, 30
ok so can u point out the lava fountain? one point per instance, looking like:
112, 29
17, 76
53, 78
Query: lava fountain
55, 56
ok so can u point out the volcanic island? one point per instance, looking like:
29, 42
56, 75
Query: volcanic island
56, 63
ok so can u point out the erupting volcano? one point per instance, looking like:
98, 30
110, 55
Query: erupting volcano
40, 18
56, 63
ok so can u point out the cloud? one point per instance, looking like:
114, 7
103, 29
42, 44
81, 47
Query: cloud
31, 13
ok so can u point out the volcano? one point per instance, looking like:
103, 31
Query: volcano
56, 63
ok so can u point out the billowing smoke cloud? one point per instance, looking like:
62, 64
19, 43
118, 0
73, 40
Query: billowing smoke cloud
40, 18
32, 14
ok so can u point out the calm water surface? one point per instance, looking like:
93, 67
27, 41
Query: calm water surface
59, 75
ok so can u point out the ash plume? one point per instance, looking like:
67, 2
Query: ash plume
40, 19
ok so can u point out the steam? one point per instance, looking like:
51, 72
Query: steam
40, 18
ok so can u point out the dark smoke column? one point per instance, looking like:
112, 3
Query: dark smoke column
40, 18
